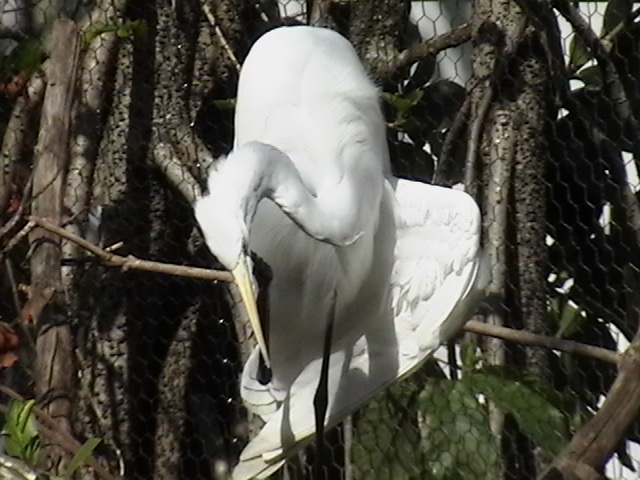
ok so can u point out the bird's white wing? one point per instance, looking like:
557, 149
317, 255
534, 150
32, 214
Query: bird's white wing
439, 272
436, 282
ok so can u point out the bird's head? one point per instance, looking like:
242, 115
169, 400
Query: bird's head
223, 227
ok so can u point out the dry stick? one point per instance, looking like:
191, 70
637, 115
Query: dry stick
524, 337
459, 122
518, 336
225, 44
450, 39
131, 262
56, 435
14, 286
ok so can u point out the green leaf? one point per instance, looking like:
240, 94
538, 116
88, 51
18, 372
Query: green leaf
26, 57
579, 53
592, 78
455, 434
403, 103
81, 456
532, 409
468, 354
21, 431
136, 29
225, 103
570, 319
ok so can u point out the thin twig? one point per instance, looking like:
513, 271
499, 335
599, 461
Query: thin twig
17, 216
524, 337
131, 262
450, 39
55, 434
227, 48
447, 146
24, 231
12, 281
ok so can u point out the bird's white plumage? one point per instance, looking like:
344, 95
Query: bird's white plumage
434, 288
401, 257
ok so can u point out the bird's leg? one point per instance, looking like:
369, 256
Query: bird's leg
263, 275
320, 399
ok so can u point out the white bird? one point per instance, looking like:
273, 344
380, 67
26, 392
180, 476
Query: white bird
308, 188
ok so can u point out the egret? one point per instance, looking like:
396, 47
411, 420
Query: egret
307, 186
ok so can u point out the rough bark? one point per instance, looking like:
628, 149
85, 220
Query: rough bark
53, 383
377, 30
507, 130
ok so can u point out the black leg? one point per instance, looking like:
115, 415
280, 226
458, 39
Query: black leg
320, 400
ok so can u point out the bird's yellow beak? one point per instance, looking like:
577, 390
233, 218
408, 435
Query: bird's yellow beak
243, 279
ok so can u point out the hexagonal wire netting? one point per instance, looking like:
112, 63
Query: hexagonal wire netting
110, 123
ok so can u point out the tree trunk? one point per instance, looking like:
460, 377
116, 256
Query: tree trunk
47, 306
507, 127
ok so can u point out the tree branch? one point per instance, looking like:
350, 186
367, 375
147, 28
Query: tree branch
517, 336
450, 39
130, 262
597, 440
524, 337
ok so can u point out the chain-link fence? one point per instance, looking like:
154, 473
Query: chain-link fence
112, 113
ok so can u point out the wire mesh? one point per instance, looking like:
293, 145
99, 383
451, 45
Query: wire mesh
525, 111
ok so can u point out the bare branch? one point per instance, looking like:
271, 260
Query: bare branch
442, 175
524, 337
597, 440
450, 39
473, 142
130, 262
175, 171
223, 41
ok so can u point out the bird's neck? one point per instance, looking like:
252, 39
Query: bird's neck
266, 172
